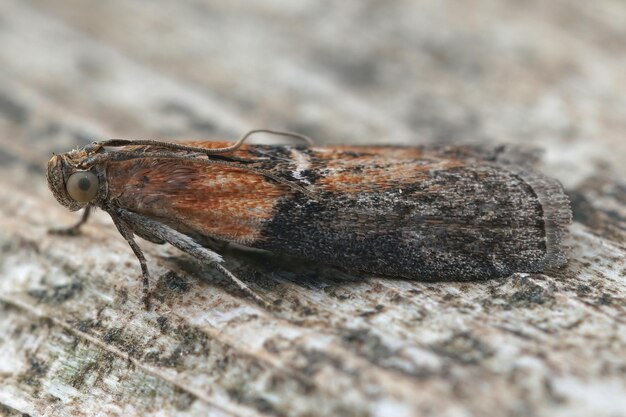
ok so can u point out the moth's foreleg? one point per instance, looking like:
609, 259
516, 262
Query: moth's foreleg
183, 242
127, 233
75, 229
145, 293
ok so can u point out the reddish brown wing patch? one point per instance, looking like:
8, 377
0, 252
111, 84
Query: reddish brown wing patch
215, 201
354, 170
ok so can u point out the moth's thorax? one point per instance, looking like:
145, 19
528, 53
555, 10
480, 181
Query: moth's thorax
60, 169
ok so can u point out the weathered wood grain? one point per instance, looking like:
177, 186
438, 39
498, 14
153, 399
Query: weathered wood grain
73, 337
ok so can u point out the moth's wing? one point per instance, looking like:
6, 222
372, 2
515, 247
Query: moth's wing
416, 212
211, 204
429, 212
520, 155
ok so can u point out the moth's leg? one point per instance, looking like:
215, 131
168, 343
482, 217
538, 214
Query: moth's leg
184, 243
239, 283
127, 233
150, 238
73, 230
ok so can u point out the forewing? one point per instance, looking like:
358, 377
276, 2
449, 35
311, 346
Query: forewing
429, 212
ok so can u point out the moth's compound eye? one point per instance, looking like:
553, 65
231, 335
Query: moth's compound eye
82, 186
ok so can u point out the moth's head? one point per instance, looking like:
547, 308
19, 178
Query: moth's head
73, 186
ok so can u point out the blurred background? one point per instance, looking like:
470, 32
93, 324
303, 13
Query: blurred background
550, 74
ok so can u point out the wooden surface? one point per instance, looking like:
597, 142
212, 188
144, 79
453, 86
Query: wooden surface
73, 337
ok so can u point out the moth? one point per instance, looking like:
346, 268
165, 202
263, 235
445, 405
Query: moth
430, 212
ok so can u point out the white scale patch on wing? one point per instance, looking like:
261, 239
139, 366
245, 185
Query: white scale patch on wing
302, 164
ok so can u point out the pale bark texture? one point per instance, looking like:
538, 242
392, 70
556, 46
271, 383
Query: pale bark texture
74, 339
